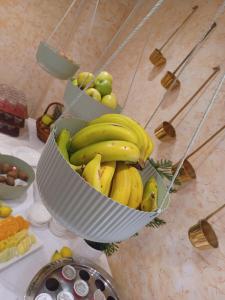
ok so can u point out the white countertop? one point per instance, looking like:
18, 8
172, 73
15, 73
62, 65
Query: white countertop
15, 279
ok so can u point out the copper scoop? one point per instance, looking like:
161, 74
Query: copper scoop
187, 171
166, 129
156, 57
202, 234
170, 78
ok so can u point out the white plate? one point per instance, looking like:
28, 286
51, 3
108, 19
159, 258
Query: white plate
33, 248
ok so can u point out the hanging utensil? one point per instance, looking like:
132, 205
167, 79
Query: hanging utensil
202, 234
170, 77
53, 61
156, 57
166, 129
187, 171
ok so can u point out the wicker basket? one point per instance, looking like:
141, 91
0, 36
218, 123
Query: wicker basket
44, 131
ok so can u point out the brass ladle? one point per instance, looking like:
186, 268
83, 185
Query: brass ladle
156, 57
170, 77
166, 129
202, 234
187, 171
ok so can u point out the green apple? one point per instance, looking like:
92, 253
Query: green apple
84, 78
103, 86
104, 75
94, 94
47, 120
74, 81
110, 101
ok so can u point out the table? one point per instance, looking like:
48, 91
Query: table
15, 279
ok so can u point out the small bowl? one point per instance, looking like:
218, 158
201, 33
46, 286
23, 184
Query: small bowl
13, 192
53, 62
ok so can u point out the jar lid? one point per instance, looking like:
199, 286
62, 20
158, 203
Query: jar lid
81, 288
65, 295
69, 272
44, 296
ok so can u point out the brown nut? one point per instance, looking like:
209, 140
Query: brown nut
6, 168
13, 173
23, 175
10, 181
2, 179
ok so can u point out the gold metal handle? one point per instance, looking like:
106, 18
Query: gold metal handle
193, 49
206, 142
194, 8
216, 69
215, 212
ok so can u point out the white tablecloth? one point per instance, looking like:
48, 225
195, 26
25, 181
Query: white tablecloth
15, 279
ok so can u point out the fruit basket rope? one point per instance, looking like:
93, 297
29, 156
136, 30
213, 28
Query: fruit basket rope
137, 28
194, 137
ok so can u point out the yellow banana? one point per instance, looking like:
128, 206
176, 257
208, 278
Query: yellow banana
149, 148
107, 172
150, 195
109, 150
102, 132
63, 143
92, 172
121, 184
136, 188
130, 123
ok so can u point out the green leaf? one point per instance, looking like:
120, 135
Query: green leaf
164, 168
156, 223
110, 248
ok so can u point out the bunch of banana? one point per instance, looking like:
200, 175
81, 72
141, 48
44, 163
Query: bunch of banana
150, 195
142, 139
105, 152
63, 143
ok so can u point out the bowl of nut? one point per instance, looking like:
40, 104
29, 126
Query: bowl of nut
15, 177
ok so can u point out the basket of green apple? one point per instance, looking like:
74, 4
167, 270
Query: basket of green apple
84, 88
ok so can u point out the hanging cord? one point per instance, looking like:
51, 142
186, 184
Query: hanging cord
90, 31
123, 44
61, 20
130, 36
136, 68
115, 36
219, 12
192, 141
131, 14
93, 19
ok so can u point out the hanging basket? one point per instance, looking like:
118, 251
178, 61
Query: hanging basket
83, 106
78, 206
44, 131
54, 62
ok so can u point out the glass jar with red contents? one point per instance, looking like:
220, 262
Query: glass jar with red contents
13, 110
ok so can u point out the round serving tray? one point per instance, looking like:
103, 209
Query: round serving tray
53, 270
